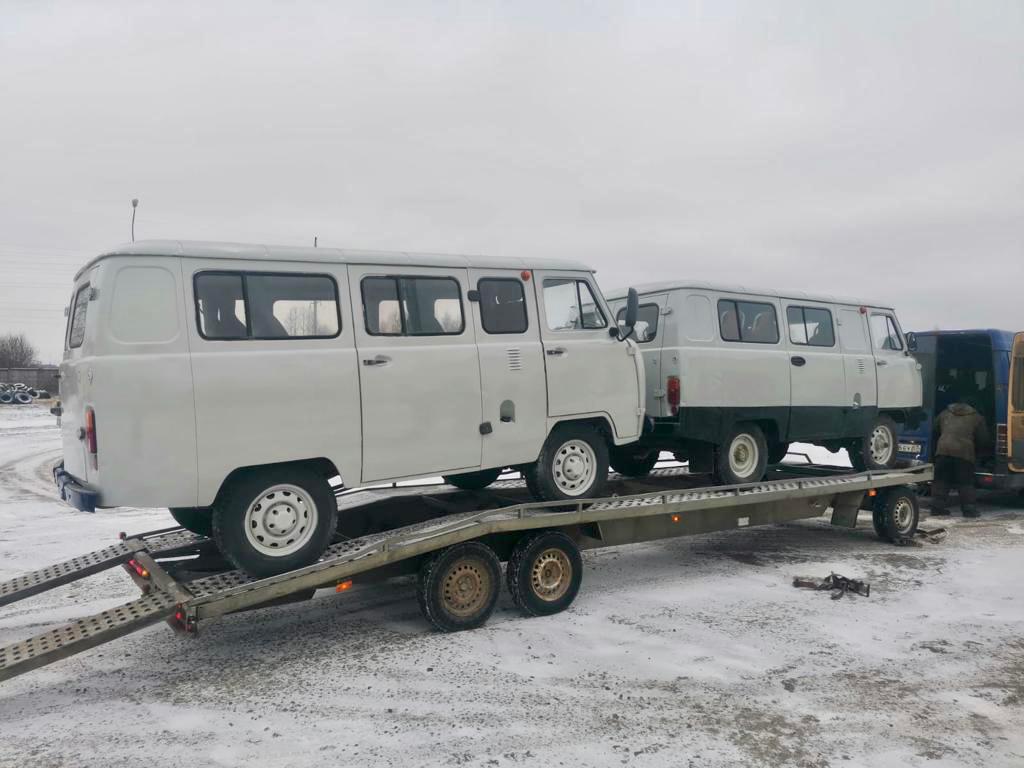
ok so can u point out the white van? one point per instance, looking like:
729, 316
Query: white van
734, 376
229, 382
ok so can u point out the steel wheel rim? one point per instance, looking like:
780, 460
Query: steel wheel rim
574, 467
466, 587
281, 520
743, 455
551, 575
903, 515
882, 444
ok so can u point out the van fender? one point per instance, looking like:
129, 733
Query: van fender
599, 419
319, 464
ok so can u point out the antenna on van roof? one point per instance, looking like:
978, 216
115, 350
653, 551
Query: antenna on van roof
135, 204
314, 241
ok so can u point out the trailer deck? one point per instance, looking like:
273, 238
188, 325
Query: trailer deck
185, 582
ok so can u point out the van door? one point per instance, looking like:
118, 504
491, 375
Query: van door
514, 395
649, 336
860, 370
73, 374
419, 371
817, 373
588, 370
899, 381
1015, 420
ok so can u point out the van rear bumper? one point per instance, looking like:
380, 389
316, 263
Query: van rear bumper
73, 491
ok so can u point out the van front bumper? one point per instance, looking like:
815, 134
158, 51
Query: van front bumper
73, 491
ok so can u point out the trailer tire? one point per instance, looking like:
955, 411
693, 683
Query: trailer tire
877, 449
249, 531
573, 465
895, 514
458, 587
743, 456
473, 481
544, 573
196, 519
632, 460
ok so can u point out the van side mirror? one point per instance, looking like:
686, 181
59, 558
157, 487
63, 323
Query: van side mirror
629, 318
912, 342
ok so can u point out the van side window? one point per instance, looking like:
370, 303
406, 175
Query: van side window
78, 311
266, 305
811, 326
646, 322
884, 333
412, 306
748, 321
502, 305
570, 305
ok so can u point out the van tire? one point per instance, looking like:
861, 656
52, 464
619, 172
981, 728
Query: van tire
587, 451
867, 452
533, 596
777, 452
632, 460
473, 481
305, 492
452, 611
743, 456
196, 519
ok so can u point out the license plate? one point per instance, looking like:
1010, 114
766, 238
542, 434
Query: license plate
914, 448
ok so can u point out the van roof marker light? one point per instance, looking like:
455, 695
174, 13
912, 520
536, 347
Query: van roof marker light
525, 274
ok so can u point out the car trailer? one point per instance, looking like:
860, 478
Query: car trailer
457, 554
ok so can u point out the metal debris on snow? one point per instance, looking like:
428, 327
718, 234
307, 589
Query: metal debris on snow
838, 585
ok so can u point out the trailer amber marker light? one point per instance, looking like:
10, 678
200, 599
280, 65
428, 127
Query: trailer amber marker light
343, 586
872, 492
675, 518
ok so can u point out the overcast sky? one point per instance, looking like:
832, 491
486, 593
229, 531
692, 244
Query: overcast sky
863, 148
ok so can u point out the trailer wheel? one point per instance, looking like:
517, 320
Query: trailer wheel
458, 587
877, 449
895, 514
473, 481
196, 519
275, 519
633, 460
544, 573
573, 464
743, 456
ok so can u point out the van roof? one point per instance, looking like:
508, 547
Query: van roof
648, 288
259, 252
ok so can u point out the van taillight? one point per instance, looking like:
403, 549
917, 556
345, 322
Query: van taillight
90, 430
672, 393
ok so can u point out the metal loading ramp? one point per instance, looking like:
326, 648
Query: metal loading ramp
184, 598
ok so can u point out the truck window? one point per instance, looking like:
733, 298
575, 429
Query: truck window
884, 333
502, 305
811, 326
220, 306
412, 306
646, 322
748, 321
570, 305
292, 306
78, 311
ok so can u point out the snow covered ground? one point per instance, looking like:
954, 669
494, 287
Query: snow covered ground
692, 652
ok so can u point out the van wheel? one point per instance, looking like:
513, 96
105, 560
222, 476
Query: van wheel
573, 464
544, 573
742, 456
196, 519
632, 460
473, 481
276, 519
777, 452
895, 514
458, 587
877, 449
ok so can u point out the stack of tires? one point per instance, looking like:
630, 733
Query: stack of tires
21, 394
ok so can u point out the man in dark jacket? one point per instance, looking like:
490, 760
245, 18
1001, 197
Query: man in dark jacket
961, 431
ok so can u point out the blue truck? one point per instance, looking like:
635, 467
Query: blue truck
985, 368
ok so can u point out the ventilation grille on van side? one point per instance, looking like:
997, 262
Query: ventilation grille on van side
515, 359
861, 369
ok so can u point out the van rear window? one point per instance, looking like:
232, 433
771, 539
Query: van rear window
78, 310
264, 305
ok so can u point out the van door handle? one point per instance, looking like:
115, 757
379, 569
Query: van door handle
798, 361
556, 351
881, 362
378, 360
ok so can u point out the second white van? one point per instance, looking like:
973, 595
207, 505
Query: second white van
230, 382
735, 375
